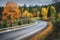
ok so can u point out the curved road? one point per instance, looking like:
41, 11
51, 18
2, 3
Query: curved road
24, 33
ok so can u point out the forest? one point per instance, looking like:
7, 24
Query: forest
10, 16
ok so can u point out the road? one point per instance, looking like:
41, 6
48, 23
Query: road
24, 33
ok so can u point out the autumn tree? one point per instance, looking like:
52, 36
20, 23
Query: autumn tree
53, 11
38, 13
26, 14
11, 12
44, 13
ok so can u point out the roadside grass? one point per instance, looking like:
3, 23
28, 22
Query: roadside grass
50, 33
16, 27
55, 35
35, 18
7, 23
20, 24
42, 35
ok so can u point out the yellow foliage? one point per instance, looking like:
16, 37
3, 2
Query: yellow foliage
59, 14
45, 18
38, 13
44, 11
31, 15
53, 11
27, 14
52, 7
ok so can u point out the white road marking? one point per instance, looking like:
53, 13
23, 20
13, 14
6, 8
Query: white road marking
30, 33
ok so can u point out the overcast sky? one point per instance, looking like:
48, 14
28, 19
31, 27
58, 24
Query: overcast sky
27, 2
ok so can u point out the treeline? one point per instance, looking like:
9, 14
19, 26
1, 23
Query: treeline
35, 8
52, 10
43, 12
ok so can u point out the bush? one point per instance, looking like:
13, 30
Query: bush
5, 24
28, 21
57, 26
19, 23
55, 35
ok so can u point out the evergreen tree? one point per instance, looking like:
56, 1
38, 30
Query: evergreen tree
41, 12
1, 9
25, 7
49, 12
30, 9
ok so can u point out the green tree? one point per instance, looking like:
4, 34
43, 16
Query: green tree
5, 24
30, 9
49, 12
1, 10
25, 7
41, 12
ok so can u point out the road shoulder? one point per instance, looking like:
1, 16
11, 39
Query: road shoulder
42, 35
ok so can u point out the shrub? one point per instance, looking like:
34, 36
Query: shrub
19, 23
5, 24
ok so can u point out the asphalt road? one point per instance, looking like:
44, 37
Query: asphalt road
23, 33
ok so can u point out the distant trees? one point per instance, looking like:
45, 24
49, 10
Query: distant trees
24, 7
35, 10
12, 12
30, 9
26, 14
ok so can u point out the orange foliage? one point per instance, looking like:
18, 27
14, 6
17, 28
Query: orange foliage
36, 14
11, 12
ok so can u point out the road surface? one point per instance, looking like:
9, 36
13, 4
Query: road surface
24, 33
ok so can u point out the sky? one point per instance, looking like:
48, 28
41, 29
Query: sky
27, 2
